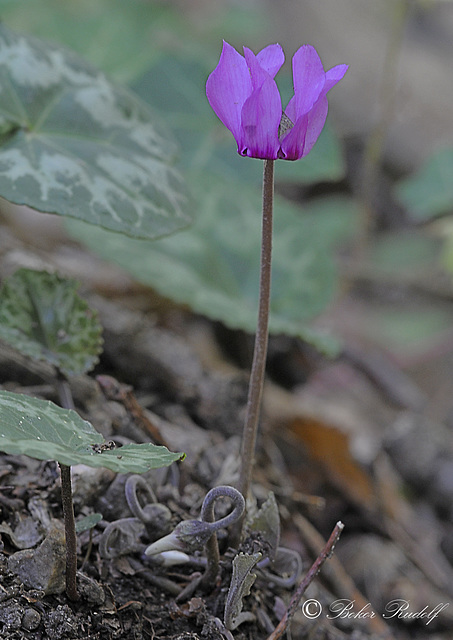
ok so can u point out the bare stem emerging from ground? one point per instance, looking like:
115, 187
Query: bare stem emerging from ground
314, 570
261, 338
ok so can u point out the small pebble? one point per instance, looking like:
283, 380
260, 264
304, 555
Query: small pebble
43, 567
31, 619
90, 590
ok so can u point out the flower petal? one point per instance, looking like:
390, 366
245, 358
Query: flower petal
228, 87
261, 116
300, 140
308, 77
257, 73
271, 59
334, 75
293, 142
316, 120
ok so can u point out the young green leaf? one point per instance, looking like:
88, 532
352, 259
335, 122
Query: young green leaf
88, 522
74, 144
42, 316
242, 580
42, 430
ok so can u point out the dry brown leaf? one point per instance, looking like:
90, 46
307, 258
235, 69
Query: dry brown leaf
330, 448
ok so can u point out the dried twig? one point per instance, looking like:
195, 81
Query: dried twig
340, 581
114, 390
313, 571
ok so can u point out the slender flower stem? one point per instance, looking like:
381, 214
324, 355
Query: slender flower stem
313, 571
261, 337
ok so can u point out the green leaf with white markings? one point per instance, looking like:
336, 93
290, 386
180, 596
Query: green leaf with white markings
118, 37
214, 266
42, 316
42, 430
74, 144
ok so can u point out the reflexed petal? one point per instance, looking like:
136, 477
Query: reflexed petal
316, 120
293, 142
257, 73
261, 116
334, 75
300, 140
228, 87
271, 58
308, 78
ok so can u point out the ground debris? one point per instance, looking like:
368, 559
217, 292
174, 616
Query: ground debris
43, 567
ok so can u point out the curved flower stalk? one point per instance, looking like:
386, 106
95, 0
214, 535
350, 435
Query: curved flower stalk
192, 535
155, 516
286, 568
244, 95
120, 536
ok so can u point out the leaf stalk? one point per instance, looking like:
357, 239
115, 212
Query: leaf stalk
66, 400
70, 532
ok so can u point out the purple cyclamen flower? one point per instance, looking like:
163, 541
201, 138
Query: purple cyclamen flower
243, 93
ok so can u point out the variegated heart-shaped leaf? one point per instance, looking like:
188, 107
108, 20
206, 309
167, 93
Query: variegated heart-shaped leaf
43, 317
42, 430
74, 144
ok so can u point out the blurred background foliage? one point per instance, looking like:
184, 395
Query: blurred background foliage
381, 221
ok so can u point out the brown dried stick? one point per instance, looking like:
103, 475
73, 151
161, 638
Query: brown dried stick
114, 390
339, 580
313, 571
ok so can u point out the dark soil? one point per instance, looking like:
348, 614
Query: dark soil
180, 379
